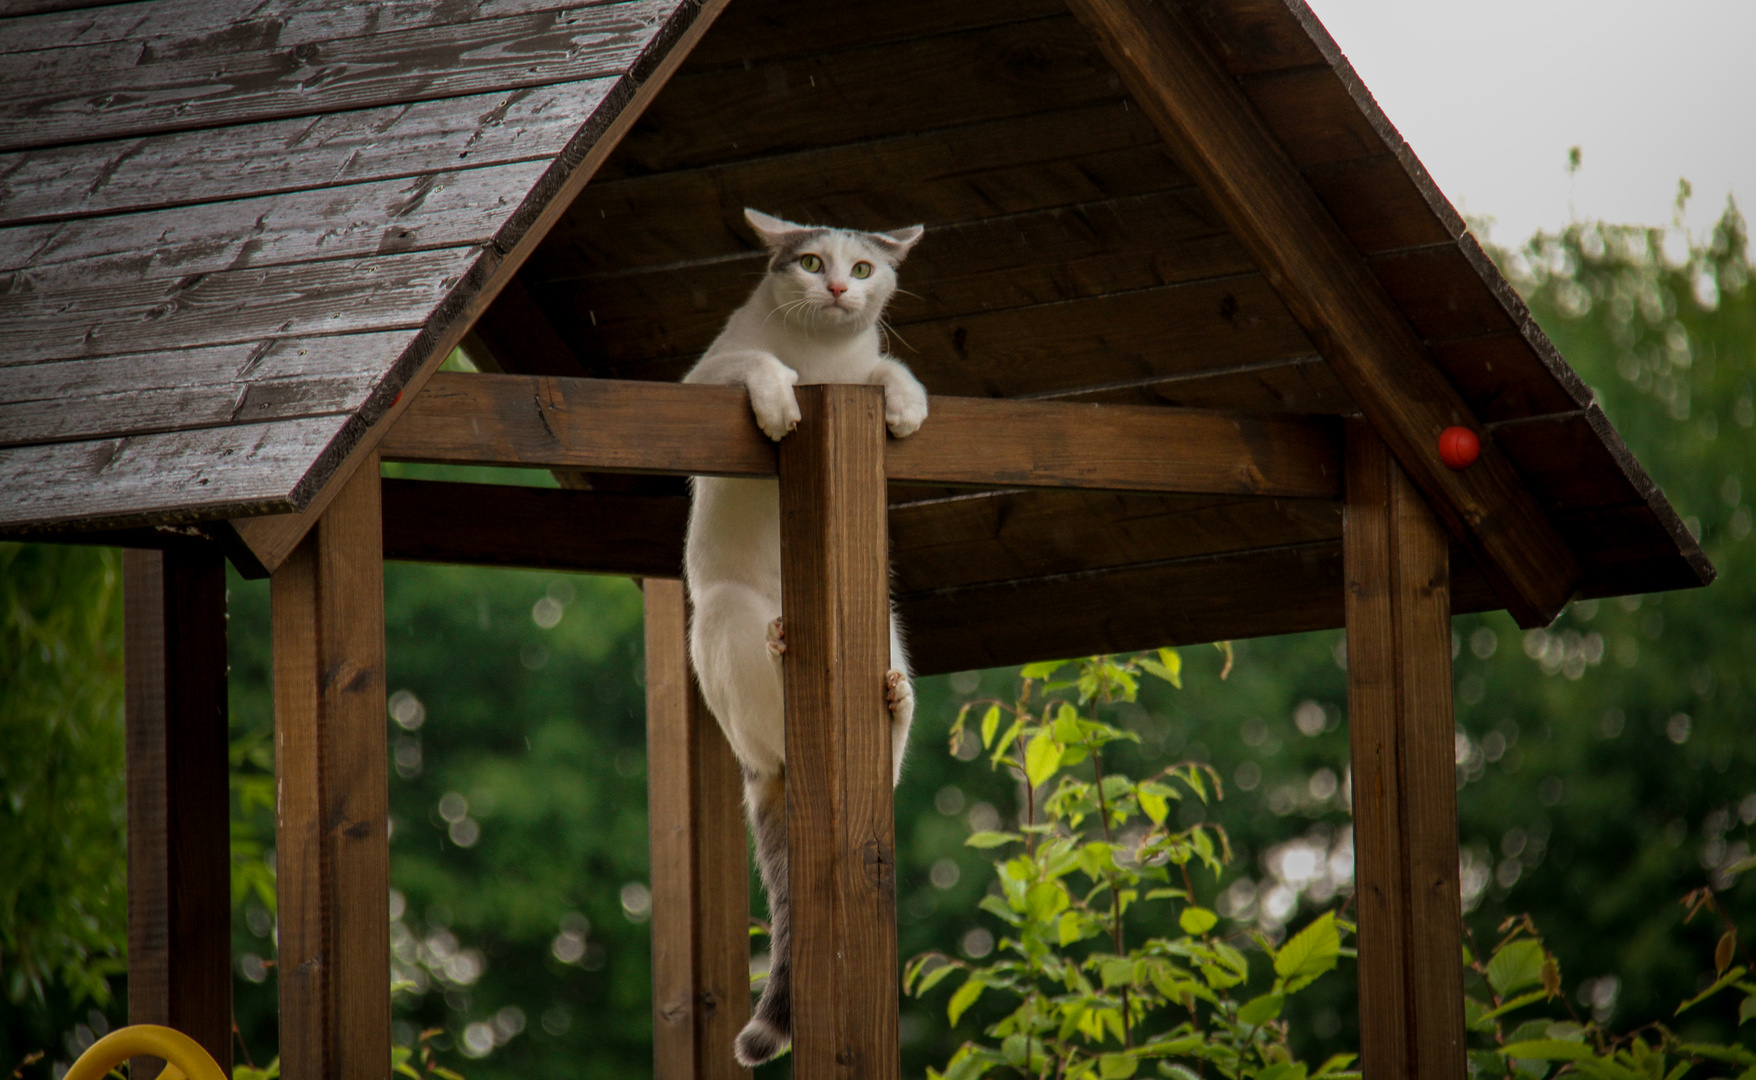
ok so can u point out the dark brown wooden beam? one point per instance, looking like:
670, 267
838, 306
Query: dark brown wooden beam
179, 802
841, 835
333, 796
539, 528
1219, 137
1405, 793
700, 871
671, 428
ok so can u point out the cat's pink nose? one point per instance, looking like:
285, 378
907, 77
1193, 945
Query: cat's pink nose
836, 288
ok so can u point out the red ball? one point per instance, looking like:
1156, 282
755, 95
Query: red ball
1459, 447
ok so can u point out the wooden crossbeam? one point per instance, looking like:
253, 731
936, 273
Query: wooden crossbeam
1222, 141
611, 426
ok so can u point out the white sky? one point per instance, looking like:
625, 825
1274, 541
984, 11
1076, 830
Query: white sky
1492, 93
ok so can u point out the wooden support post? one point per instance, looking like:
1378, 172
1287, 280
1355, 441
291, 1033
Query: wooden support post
179, 806
332, 775
840, 826
700, 862
1404, 779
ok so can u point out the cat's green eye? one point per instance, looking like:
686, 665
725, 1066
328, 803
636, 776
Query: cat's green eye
862, 269
811, 264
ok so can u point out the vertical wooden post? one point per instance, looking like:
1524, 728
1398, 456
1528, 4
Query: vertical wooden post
700, 862
179, 805
1404, 778
840, 827
332, 775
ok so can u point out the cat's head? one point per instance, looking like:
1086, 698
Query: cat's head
831, 278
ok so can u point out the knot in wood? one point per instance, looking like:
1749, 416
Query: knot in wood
878, 864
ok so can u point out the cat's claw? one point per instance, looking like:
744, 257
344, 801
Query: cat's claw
775, 404
777, 638
899, 691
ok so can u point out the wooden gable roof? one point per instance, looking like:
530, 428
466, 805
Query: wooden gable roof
231, 234
1071, 253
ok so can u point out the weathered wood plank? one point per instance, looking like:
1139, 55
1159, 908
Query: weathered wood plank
185, 168
179, 795
775, 29
732, 114
1221, 139
167, 477
15, 8
189, 26
700, 887
330, 297
1405, 796
1303, 384
546, 528
258, 545
1311, 115
434, 210
1009, 166
103, 92
1440, 292
1170, 330
841, 842
1502, 379
115, 397
1254, 36
670, 428
332, 812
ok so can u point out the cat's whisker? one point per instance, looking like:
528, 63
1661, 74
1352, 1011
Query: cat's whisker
890, 329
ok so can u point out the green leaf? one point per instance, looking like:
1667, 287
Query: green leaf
1335, 1064
1309, 953
990, 724
1517, 965
1746, 1009
1045, 900
1283, 1070
1042, 669
1154, 805
1198, 920
1258, 1011
935, 977
965, 997
1070, 929
991, 839
1546, 1049
1117, 1066
1719, 984
1510, 1004
1041, 759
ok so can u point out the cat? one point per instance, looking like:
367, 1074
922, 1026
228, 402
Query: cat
814, 318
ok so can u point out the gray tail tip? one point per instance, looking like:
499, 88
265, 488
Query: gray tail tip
759, 1042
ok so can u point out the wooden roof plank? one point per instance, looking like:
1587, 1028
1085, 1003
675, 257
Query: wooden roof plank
769, 30
214, 471
166, 312
188, 388
78, 94
248, 160
1375, 352
434, 210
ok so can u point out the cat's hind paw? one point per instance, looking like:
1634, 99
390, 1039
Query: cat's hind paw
899, 693
777, 637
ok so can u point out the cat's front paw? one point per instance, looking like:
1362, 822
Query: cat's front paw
775, 404
904, 412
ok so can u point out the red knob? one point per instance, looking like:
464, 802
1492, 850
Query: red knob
1459, 447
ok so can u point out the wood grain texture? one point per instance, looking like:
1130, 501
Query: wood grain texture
841, 842
700, 886
1405, 793
768, 30
161, 478
118, 89
607, 425
258, 545
179, 796
230, 306
538, 528
1248, 176
254, 383
297, 154
332, 809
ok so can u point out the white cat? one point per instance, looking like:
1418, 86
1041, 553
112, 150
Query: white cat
813, 319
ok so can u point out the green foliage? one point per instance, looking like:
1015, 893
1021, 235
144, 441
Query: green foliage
1092, 845
63, 928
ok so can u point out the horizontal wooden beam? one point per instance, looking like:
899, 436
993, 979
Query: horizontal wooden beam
612, 426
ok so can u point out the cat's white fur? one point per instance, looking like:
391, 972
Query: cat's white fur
811, 320
793, 329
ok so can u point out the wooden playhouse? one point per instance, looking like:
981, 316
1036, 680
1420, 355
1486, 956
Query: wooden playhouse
1193, 315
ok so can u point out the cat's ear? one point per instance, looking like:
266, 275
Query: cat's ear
772, 230
898, 242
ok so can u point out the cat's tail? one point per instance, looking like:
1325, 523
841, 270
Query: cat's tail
770, 1029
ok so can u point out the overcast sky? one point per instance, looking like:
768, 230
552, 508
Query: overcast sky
1492, 93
